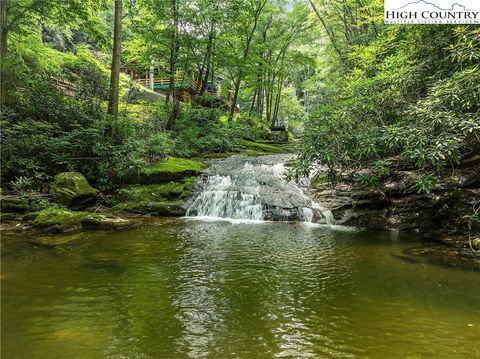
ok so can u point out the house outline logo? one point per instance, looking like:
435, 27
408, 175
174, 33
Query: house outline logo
432, 11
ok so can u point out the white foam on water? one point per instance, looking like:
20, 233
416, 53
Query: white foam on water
236, 197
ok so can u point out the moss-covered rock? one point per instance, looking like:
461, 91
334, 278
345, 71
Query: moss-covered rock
476, 243
56, 240
157, 192
157, 208
73, 190
281, 136
30, 216
62, 220
59, 220
163, 199
14, 204
173, 169
7, 216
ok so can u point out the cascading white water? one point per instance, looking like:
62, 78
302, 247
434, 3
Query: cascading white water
220, 199
254, 188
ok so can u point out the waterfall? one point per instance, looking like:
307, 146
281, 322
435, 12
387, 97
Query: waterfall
220, 198
254, 189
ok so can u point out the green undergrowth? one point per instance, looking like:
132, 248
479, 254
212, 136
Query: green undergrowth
263, 147
174, 164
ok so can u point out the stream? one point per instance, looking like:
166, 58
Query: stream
228, 282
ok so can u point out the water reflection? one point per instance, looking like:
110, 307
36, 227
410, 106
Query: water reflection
189, 289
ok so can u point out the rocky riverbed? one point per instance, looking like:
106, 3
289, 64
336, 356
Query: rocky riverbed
253, 187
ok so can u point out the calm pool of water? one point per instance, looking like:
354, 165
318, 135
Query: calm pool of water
190, 289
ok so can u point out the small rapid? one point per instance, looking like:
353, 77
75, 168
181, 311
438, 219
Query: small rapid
254, 189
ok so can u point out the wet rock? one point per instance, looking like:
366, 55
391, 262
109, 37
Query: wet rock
247, 187
397, 205
62, 220
158, 208
8, 216
58, 220
445, 255
73, 190
106, 223
476, 243
55, 240
14, 204
374, 199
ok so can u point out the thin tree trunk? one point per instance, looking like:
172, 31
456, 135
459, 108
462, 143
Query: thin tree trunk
329, 32
252, 106
207, 60
277, 101
3, 49
115, 73
246, 51
174, 48
151, 75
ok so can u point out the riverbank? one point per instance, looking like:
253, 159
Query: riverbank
165, 189
71, 205
443, 216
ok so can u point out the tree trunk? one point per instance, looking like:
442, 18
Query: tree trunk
254, 98
3, 49
276, 109
115, 73
246, 51
174, 48
329, 32
233, 105
207, 61
151, 75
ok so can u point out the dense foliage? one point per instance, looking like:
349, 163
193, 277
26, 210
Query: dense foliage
359, 94
56, 75
403, 96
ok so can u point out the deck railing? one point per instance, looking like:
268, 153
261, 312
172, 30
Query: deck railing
165, 81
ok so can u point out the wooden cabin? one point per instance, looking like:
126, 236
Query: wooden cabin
186, 85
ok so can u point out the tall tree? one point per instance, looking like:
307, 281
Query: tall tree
115, 70
254, 11
3, 48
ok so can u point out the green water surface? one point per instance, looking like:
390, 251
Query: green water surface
190, 289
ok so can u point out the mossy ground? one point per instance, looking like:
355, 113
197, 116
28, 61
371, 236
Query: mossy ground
173, 169
175, 165
264, 147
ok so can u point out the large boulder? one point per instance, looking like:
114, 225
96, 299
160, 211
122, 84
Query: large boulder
73, 190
